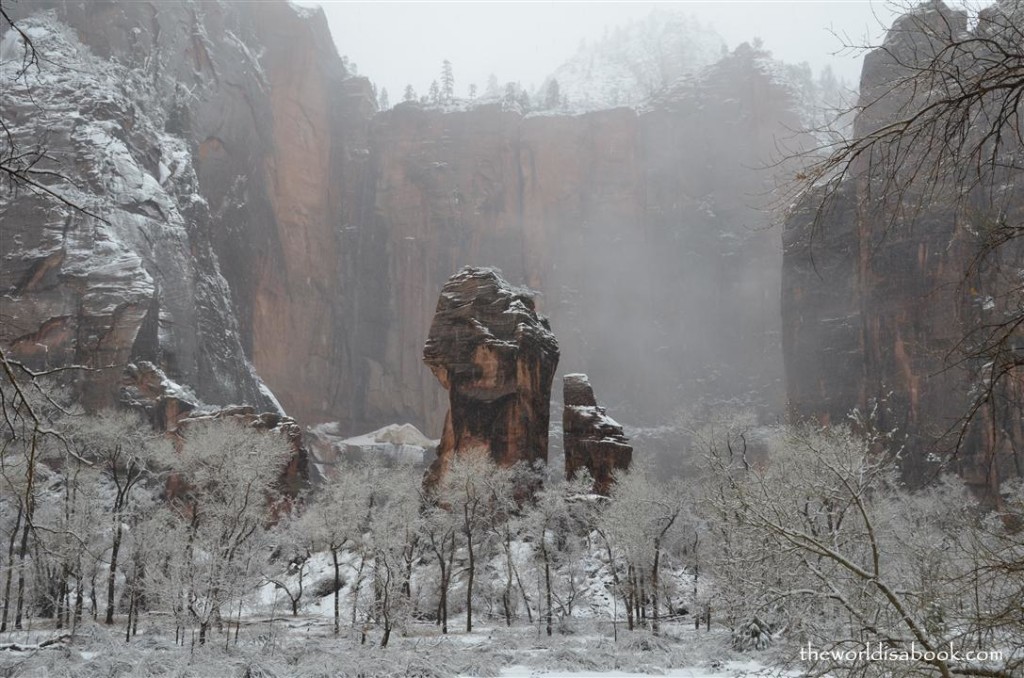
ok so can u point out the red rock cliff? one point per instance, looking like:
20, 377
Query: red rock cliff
301, 233
881, 298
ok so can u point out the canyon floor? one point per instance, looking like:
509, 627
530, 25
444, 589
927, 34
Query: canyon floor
304, 646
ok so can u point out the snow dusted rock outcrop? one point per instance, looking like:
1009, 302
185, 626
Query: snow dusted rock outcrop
172, 408
496, 357
208, 140
401, 443
132, 274
145, 387
593, 440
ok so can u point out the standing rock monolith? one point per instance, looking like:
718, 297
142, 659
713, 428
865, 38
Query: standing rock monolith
496, 357
593, 440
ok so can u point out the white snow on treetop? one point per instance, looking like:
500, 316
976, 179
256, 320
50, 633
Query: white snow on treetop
632, 62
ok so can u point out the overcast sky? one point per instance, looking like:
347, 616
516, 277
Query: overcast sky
399, 43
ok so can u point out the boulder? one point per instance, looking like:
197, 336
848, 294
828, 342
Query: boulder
394, 444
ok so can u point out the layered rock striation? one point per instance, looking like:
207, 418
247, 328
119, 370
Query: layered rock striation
593, 440
496, 357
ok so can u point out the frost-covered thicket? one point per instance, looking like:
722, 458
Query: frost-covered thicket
185, 537
793, 539
816, 542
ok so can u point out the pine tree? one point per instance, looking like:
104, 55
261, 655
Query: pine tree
434, 96
410, 94
552, 97
493, 89
384, 103
472, 91
511, 92
523, 99
447, 82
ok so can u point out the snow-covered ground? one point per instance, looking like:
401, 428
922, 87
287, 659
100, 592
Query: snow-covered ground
271, 641
304, 646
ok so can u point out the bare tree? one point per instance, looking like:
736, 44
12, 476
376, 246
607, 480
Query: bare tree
30, 404
823, 542
644, 521
394, 523
469, 489
557, 516
230, 473
336, 519
439, 527
123, 448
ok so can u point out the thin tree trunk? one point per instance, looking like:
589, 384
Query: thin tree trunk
469, 584
58, 603
337, 591
22, 552
355, 592
410, 553
547, 588
522, 590
655, 625
448, 580
79, 596
112, 577
643, 597
238, 621
10, 570
629, 597
442, 600
506, 596
131, 612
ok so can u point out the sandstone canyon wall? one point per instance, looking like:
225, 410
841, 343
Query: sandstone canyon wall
211, 141
258, 217
642, 232
886, 303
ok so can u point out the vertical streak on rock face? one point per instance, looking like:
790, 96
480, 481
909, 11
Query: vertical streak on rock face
295, 299
447, 196
496, 357
879, 292
593, 440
